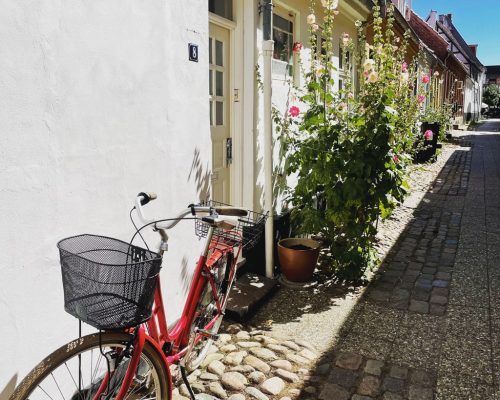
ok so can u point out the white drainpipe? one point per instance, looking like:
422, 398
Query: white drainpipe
268, 47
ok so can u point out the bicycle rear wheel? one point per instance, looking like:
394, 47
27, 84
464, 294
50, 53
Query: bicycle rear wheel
206, 309
76, 370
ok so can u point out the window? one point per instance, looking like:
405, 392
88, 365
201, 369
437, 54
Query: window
283, 39
223, 8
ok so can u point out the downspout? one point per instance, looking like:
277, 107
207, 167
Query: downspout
268, 48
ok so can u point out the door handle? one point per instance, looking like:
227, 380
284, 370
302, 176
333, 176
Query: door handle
229, 151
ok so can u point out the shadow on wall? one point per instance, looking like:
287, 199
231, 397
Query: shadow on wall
9, 388
200, 174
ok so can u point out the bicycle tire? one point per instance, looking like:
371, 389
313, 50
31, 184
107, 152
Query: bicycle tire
46, 371
206, 307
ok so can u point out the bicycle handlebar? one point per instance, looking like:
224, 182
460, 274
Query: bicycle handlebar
144, 198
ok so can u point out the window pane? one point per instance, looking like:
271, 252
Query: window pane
282, 23
224, 8
211, 113
219, 113
210, 50
219, 53
282, 46
219, 83
210, 83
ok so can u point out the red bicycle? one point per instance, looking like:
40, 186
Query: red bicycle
115, 287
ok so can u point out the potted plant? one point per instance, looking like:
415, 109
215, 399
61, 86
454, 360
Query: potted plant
298, 258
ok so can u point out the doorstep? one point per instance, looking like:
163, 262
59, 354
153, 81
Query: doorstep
249, 292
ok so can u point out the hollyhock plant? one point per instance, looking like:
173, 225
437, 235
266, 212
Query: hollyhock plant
348, 148
421, 98
425, 79
428, 134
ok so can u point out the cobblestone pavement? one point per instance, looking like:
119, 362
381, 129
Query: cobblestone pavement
428, 325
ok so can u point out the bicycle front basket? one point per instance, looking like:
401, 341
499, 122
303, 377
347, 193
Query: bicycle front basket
107, 283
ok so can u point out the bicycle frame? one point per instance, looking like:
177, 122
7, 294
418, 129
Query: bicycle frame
173, 344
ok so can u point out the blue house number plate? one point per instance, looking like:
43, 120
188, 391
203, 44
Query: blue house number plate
193, 52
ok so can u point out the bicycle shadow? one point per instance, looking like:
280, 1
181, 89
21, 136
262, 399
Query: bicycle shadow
9, 388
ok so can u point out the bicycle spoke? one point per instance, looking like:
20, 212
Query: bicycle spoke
46, 394
73, 379
51, 374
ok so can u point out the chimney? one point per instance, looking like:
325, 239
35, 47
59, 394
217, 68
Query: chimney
431, 19
449, 16
473, 47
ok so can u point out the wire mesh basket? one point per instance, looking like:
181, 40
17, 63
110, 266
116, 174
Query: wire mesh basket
107, 283
247, 231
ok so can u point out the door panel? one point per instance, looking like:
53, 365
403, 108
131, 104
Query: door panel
219, 111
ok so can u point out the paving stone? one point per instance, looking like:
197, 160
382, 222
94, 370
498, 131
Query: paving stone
441, 300
273, 386
441, 283
349, 361
393, 385
436, 309
374, 367
234, 381
255, 393
419, 306
392, 396
398, 372
343, 377
257, 363
257, 377
282, 364
421, 378
287, 375
359, 397
420, 393
369, 386
332, 391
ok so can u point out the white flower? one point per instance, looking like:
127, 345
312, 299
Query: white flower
368, 64
372, 77
405, 76
330, 4
314, 27
358, 23
311, 19
345, 39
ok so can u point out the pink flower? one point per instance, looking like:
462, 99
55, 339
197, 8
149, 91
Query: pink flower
297, 46
428, 134
421, 98
425, 79
294, 111
395, 158
404, 67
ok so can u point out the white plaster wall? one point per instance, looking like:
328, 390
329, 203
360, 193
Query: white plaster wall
98, 101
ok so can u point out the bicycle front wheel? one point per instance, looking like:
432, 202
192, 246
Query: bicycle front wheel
76, 371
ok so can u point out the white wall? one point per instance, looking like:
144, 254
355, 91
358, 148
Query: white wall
98, 101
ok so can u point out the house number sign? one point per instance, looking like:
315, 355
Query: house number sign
193, 52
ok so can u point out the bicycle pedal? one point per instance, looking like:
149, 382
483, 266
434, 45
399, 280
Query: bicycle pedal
207, 334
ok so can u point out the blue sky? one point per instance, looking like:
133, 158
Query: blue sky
477, 21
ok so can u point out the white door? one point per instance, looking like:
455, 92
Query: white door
220, 112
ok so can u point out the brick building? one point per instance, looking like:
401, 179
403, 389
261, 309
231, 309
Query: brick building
492, 75
467, 84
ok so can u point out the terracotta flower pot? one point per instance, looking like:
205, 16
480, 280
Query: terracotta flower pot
297, 264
